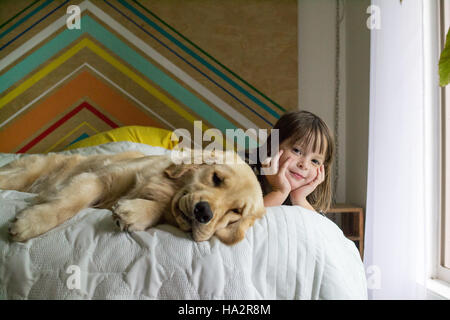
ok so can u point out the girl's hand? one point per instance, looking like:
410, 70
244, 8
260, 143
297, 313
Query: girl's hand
298, 196
277, 176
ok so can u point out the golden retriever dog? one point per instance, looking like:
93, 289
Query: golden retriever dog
222, 198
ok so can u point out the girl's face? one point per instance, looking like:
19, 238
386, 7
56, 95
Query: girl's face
304, 164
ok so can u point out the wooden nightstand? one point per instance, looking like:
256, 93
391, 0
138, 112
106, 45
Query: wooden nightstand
352, 223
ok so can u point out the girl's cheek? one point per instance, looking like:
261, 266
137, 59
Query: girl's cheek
286, 156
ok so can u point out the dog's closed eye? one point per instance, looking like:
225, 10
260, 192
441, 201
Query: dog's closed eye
216, 180
238, 211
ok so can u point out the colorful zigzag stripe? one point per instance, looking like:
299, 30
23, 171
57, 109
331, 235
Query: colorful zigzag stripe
125, 66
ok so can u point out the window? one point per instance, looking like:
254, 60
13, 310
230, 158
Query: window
443, 267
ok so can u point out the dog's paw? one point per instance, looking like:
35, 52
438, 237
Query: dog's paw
128, 216
30, 223
22, 229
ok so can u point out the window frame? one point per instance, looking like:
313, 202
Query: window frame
443, 257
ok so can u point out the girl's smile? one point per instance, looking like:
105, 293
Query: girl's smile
296, 175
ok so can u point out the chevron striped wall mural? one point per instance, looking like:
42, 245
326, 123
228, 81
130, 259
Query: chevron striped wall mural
124, 66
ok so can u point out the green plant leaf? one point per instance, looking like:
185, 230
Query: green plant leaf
444, 63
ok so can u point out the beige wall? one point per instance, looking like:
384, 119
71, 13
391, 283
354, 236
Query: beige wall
357, 117
317, 47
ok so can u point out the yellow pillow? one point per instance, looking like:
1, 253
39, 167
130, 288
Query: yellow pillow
149, 135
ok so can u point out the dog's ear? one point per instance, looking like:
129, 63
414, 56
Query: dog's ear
175, 171
235, 231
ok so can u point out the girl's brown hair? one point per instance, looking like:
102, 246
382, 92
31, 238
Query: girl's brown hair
309, 130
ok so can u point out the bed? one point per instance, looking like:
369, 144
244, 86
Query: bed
291, 253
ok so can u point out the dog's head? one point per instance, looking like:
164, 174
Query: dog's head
223, 198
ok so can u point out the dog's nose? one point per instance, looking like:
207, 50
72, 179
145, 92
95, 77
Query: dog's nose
202, 212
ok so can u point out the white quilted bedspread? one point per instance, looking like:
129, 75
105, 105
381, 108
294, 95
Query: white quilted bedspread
291, 253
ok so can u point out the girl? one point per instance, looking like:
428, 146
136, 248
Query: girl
302, 165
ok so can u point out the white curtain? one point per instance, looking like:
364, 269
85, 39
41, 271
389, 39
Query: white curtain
403, 176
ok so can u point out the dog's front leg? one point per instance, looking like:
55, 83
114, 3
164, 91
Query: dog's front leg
137, 214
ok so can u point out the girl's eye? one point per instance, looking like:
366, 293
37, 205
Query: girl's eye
296, 150
316, 162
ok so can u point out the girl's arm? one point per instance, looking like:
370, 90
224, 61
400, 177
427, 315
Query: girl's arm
275, 198
298, 196
303, 203
276, 177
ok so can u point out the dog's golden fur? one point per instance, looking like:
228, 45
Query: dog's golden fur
142, 191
